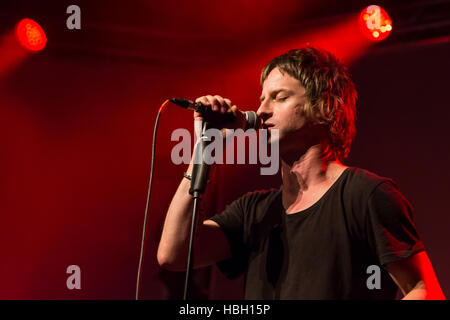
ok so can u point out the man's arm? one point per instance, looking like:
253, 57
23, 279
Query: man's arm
416, 278
211, 244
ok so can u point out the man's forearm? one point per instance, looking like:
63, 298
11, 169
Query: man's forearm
421, 292
174, 238
416, 294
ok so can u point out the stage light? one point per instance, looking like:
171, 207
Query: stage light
30, 35
375, 23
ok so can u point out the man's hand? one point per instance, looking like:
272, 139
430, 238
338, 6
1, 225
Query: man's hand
223, 106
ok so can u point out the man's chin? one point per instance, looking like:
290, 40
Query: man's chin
273, 136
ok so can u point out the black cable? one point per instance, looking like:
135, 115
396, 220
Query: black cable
148, 200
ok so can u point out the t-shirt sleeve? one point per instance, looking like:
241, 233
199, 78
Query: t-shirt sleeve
231, 221
392, 235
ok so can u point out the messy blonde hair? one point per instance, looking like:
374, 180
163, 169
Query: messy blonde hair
330, 95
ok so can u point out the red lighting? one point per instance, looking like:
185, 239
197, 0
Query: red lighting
375, 23
30, 35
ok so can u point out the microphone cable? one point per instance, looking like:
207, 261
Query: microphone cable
144, 227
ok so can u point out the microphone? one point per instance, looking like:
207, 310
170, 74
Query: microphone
252, 121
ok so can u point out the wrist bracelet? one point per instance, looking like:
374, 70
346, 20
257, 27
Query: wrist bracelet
187, 175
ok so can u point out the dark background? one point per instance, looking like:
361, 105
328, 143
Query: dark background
76, 123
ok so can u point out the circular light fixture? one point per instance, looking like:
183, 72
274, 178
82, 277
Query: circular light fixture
375, 23
31, 35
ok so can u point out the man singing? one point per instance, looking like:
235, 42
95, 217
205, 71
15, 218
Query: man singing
319, 235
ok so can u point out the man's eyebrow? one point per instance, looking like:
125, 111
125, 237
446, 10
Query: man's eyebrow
275, 92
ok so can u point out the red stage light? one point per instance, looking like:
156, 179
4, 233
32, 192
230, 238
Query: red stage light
375, 23
30, 35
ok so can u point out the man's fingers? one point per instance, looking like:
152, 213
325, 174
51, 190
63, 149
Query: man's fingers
229, 105
228, 102
212, 102
216, 103
234, 109
201, 99
223, 105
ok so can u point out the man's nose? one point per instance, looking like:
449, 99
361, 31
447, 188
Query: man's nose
264, 111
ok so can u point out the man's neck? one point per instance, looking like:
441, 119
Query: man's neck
308, 172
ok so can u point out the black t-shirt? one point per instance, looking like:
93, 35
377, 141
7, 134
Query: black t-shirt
324, 251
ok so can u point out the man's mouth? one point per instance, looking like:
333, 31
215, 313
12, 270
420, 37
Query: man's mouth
268, 126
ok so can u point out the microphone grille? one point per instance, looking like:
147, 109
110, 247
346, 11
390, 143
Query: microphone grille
252, 119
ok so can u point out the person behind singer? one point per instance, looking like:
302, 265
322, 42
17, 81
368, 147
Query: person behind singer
319, 234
